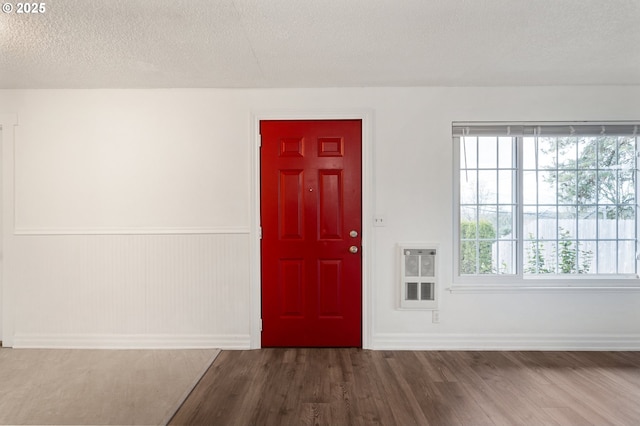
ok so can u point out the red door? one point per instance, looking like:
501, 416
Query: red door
311, 218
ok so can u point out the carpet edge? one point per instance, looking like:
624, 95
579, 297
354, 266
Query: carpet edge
189, 389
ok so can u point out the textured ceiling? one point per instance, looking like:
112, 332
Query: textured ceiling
320, 43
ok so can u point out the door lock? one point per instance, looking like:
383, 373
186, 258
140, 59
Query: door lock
353, 233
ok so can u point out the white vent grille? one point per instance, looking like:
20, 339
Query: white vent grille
418, 276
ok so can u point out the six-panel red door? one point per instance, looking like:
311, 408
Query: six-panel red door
311, 218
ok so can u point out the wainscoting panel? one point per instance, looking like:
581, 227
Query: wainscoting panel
130, 290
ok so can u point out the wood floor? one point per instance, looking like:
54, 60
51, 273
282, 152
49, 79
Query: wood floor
360, 387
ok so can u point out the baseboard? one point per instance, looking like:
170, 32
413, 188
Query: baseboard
131, 341
380, 341
507, 342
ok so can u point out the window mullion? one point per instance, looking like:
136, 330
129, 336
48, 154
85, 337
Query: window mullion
477, 236
597, 195
557, 209
497, 242
520, 206
575, 207
635, 182
617, 195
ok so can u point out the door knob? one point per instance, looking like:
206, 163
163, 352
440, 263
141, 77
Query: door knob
353, 249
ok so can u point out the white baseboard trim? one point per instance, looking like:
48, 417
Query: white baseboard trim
380, 341
506, 342
131, 341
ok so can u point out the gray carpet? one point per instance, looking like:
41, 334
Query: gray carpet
97, 387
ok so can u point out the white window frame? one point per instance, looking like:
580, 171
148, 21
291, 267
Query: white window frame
518, 281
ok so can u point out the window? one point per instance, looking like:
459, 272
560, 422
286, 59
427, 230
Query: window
546, 201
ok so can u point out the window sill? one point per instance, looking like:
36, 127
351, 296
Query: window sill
465, 288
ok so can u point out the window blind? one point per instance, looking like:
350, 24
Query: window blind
546, 129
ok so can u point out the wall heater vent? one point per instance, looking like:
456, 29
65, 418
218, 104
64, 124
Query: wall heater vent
418, 276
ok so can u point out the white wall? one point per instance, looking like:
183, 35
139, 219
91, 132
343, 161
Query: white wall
132, 216
157, 160
1, 287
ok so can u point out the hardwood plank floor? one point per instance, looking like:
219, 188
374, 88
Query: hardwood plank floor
303, 386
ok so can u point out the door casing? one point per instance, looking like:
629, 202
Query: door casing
367, 213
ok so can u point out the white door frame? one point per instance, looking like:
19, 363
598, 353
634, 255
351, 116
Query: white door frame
367, 212
7, 127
